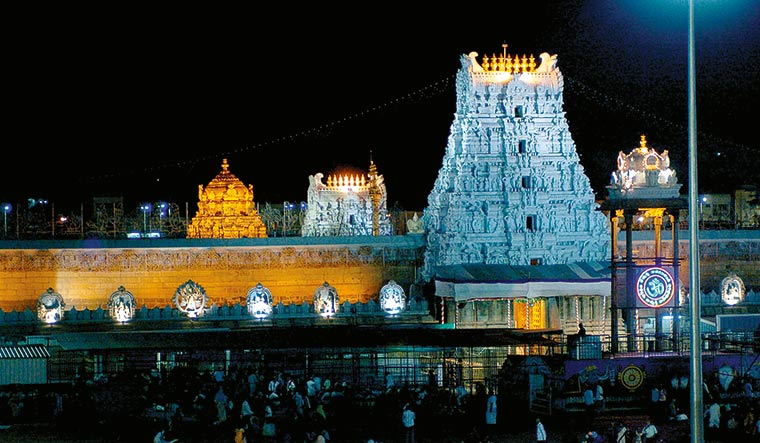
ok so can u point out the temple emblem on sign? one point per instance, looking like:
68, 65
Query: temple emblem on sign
226, 209
349, 204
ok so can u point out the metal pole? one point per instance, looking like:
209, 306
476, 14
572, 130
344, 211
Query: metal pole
696, 416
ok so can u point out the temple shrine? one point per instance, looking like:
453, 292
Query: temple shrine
512, 215
226, 209
644, 191
348, 205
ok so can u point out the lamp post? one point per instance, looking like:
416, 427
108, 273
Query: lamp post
6, 208
287, 212
695, 366
146, 209
163, 211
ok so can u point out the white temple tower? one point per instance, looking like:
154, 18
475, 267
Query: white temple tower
511, 189
347, 205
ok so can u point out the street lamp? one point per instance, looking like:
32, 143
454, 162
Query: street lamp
163, 211
287, 210
6, 208
146, 209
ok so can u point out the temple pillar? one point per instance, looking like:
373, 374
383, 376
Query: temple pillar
629, 312
614, 336
656, 214
674, 221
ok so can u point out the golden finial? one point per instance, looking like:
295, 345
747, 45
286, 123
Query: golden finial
643, 143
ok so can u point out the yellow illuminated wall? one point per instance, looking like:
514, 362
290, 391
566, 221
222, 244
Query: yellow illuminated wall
86, 277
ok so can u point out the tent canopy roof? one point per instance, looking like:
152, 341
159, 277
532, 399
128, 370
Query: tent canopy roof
482, 281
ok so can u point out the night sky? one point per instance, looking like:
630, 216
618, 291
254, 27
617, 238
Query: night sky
145, 104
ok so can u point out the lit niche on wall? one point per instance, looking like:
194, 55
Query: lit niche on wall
326, 300
121, 305
732, 290
259, 301
191, 299
392, 298
50, 306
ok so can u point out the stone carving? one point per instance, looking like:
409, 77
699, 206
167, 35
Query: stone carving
121, 305
191, 299
392, 298
326, 301
50, 306
258, 301
415, 225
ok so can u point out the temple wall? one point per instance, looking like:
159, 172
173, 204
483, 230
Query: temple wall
717, 259
86, 274
292, 272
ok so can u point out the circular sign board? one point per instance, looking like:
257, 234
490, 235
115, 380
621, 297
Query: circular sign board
631, 377
655, 287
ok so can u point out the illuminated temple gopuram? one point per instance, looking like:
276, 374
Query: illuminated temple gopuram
510, 254
226, 209
349, 204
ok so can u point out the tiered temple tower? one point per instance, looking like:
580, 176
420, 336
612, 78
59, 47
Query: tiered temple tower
226, 209
511, 189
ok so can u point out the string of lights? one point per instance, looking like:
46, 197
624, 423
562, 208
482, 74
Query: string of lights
611, 103
419, 95
425, 93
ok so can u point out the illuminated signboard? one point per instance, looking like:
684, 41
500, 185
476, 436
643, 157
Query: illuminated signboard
655, 287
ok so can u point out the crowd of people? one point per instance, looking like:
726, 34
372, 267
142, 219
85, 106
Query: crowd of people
248, 404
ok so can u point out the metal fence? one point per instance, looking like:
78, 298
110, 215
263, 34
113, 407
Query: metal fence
109, 218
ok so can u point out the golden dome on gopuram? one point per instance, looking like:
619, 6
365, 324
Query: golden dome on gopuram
226, 209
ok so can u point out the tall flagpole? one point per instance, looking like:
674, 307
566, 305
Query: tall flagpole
697, 426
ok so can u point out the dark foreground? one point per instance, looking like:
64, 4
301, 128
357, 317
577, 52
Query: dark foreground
566, 429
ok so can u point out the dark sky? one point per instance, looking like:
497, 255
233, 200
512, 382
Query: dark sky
145, 104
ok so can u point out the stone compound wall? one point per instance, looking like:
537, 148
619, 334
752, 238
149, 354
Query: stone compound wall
86, 277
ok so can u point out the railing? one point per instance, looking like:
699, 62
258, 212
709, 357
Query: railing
647, 345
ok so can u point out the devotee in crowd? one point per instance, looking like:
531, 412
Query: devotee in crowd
621, 433
593, 437
649, 432
588, 399
491, 408
221, 401
599, 398
713, 416
161, 437
408, 418
540, 432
